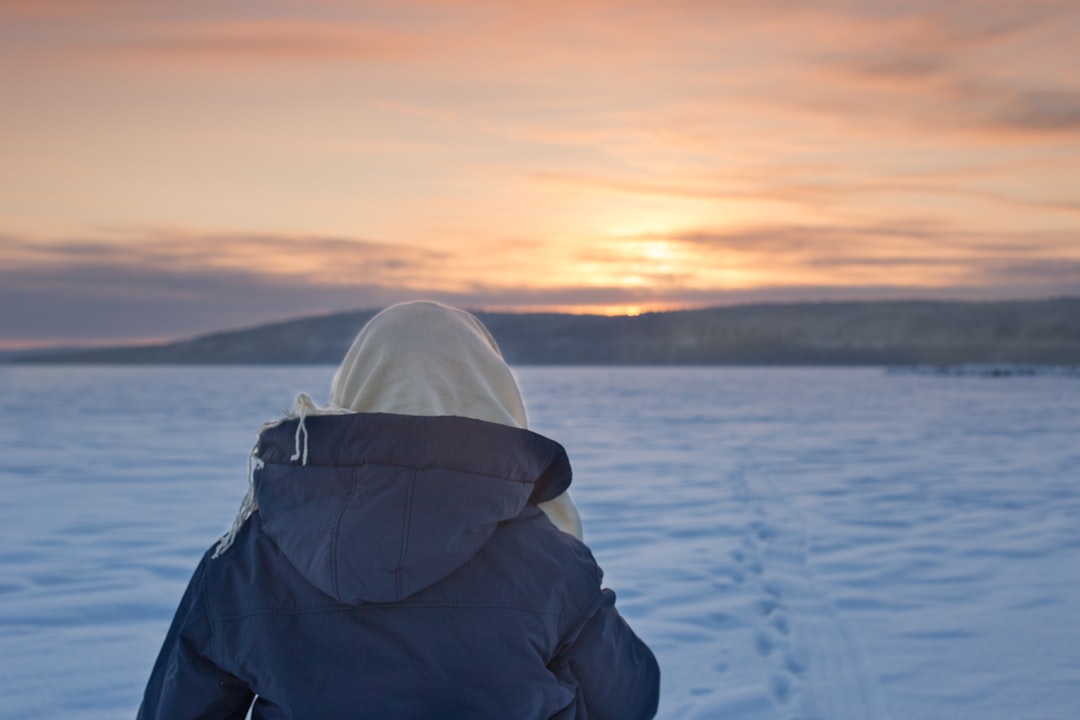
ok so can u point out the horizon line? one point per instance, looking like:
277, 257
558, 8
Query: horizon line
15, 346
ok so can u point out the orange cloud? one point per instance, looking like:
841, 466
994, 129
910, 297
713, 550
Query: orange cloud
315, 260
221, 44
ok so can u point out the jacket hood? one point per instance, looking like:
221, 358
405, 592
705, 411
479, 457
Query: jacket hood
389, 504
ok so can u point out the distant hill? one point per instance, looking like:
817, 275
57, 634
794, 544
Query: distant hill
827, 333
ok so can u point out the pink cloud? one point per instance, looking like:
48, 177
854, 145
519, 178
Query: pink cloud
268, 41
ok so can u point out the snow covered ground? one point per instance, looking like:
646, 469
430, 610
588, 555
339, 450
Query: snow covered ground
826, 544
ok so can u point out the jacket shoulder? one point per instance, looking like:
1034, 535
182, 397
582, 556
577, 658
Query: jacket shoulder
531, 563
255, 577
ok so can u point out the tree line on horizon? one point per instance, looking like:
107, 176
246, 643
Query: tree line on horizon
821, 333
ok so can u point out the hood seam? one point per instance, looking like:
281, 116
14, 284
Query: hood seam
431, 466
336, 537
274, 438
406, 525
340, 607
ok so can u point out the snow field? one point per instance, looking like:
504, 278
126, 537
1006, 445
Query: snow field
794, 544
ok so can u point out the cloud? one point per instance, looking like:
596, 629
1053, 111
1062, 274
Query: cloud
972, 72
787, 239
918, 255
110, 291
95, 303
268, 40
314, 259
61, 9
897, 68
1045, 272
1034, 110
790, 185
165, 283
940, 68
839, 239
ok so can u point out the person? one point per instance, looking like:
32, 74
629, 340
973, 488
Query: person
409, 551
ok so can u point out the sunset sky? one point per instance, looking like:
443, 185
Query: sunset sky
173, 168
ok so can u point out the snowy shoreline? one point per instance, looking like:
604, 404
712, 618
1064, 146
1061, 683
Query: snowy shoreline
987, 370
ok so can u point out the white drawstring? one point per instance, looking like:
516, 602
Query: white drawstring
247, 506
302, 407
301, 427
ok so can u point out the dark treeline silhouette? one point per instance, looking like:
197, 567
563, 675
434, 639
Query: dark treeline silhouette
826, 333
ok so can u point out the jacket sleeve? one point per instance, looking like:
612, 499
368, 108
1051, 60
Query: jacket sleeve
617, 675
185, 683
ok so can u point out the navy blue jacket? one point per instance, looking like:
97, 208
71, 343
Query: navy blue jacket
404, 572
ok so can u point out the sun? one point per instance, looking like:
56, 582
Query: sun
657, 251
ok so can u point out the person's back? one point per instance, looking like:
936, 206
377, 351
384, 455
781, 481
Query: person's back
402, 566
